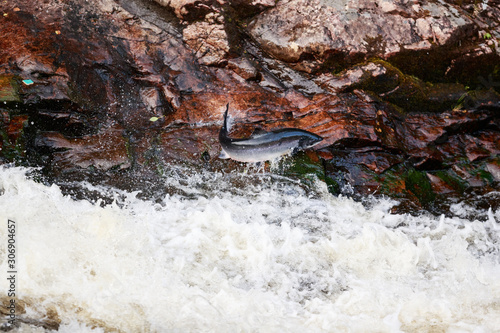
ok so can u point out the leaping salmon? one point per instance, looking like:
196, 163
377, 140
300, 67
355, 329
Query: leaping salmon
264, 146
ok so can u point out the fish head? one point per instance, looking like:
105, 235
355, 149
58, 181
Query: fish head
309, 140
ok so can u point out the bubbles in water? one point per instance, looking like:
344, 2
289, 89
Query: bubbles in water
245, 252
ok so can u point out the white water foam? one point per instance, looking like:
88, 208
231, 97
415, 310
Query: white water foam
270, 258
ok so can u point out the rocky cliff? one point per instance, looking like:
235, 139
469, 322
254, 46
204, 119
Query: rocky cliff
405, 93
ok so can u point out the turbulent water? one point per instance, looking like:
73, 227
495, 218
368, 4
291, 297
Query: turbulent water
246, 252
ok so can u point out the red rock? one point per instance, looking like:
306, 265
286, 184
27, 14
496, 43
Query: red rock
474, 149
244, 68
189, 145
208, 39
490, 141
15, 127
379, 161
439, 186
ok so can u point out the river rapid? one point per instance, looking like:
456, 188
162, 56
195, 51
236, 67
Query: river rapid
245, 252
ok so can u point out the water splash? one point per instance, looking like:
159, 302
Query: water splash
266, 255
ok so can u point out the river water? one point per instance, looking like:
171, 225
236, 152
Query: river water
246, 252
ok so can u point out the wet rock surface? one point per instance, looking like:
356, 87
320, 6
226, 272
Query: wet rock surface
405, 96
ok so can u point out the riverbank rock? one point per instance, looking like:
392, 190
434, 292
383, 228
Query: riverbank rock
114, 91
317, 29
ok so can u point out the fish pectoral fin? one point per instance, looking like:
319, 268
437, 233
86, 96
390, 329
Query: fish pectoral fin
223, 155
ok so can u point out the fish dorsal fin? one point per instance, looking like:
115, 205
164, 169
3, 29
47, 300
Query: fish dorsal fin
258, 132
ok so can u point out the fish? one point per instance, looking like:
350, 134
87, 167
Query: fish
264, 146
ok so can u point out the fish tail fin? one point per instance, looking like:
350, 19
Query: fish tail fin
224, 126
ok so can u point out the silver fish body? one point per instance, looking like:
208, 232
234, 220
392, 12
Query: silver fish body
265, 146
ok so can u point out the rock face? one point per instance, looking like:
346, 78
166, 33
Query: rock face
208, 39
297, 29
406, 95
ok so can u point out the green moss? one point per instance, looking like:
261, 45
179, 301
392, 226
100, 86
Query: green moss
382, 83
302, 164
307, 168
392, 181
484, 175
429, 66
332, 185
419, 185
407, 92
452, 180
128, 149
